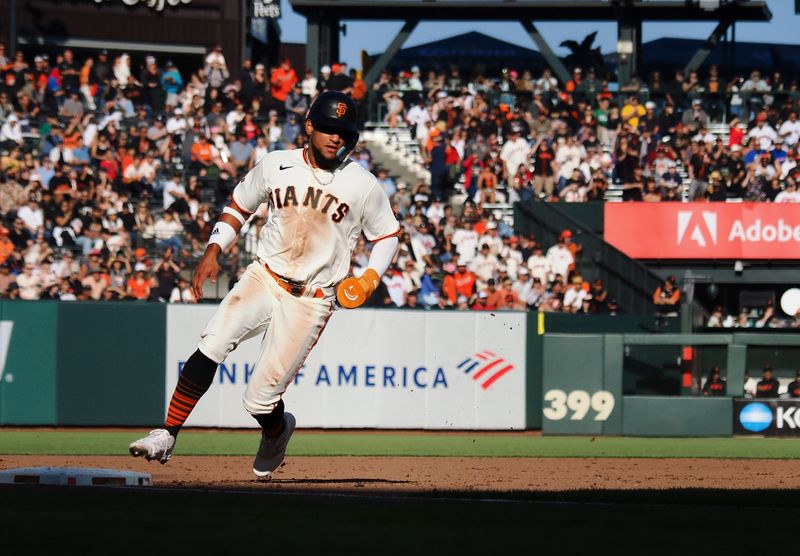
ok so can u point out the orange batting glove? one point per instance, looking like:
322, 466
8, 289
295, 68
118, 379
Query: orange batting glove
353, 292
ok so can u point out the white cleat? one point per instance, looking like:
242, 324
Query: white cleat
271, 451
157, 445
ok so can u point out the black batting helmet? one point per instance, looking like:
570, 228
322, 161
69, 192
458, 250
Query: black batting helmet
336, 112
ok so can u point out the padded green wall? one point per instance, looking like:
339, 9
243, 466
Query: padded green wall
676, 416
28, 384
111, 363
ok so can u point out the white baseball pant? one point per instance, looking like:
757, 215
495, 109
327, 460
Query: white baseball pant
291, 326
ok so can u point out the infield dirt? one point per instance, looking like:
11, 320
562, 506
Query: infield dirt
427, 474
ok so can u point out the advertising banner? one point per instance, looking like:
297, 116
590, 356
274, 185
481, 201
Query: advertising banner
377, 369
766, 417
704, 230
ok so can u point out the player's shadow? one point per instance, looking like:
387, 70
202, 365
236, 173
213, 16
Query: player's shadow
355, 481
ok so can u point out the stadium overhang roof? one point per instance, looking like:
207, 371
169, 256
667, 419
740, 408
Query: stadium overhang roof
537, 10
324, 17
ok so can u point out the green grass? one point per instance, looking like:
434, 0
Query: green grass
199, 443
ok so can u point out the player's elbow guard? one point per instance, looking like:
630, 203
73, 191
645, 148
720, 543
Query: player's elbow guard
353, 292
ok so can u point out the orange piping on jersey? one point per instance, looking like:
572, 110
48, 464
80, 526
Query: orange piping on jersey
235, 206
397, 233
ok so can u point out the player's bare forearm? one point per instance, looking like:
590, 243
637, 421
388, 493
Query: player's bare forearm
208, 267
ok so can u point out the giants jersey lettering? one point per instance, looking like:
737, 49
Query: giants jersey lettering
312, 226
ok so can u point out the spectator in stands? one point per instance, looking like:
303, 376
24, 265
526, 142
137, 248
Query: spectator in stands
411, 301
487, 182
667, 298
418, 116
182, 293
72, 107
241, 153
296, 102
202, 155
696, 118
140, 284
19, 235
309, 84
11, 132
716, 190
171, 82
96, 283
465, 280
700, 166
166, 273
29, 283
544, 168
632, 112
340, 80
539, 265
763, 133
574, 189
484, 265
715, 384
515, 151
282, 80
386, 182
789, 194
32, 216
168, 230
599, 296
768, 386
559, 258
216, 69
754, 89
575, 295
718, 319
491, 238
429, 291
793, 391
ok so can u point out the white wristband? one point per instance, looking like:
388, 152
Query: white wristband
236, 214
223, 235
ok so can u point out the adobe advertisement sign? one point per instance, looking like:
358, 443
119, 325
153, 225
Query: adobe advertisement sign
377, 369
704, 230
766, 417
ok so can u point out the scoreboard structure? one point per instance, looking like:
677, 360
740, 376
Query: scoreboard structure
324, 18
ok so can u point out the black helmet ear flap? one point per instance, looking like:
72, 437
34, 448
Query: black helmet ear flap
348, 147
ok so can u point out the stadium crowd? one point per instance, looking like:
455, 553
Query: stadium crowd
538, 140
113, 174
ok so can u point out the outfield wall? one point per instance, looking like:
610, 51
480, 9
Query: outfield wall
377, 369
109, 364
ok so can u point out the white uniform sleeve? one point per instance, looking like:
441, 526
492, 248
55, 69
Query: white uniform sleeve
253, 189
382, 254
378, 220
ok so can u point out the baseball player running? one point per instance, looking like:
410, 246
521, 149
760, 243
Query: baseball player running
319, 203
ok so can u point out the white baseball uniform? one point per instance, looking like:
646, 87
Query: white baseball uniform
315, 218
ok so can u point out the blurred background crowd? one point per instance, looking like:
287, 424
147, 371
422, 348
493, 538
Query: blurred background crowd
114, 170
